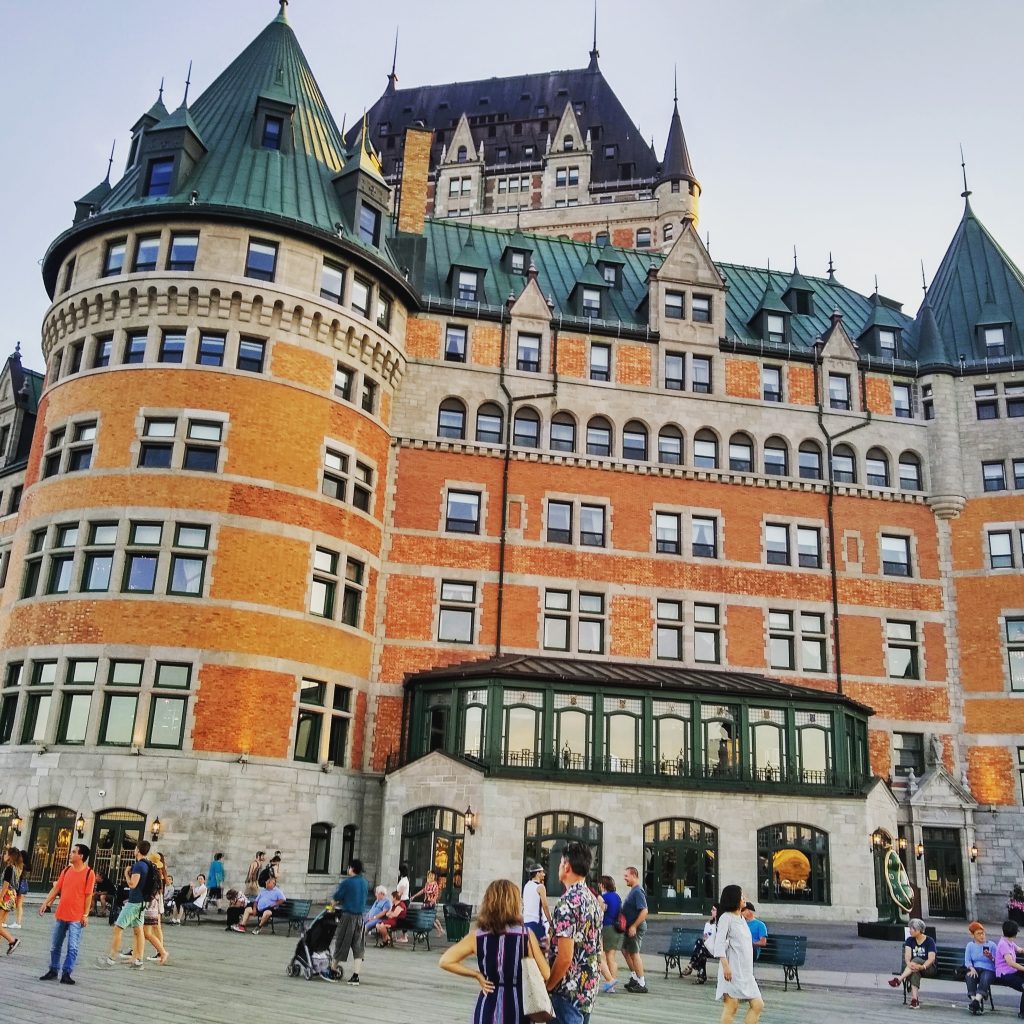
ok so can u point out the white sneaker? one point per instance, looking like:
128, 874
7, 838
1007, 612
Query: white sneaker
15, 925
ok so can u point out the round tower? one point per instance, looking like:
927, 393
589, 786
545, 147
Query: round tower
677, 189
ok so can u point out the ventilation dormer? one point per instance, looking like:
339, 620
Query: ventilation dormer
799, 295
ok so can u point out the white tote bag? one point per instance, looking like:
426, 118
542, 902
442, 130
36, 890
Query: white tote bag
536, 1001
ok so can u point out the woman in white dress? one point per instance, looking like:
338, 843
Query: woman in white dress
735, 952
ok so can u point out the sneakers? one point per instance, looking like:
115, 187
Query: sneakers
608, 988
124, 956
915, 1003
635, 987
154, 959
354, 979
687, 970
49, 975
238, 928
66, 979
895, 982
105, 961
13, 945
326, 976
136, 965
256, 930
14, 925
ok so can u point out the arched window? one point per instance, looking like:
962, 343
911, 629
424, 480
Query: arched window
348, 844
767, 743
793, 864
634, 441
451, 419
910, 472
810, 460
320, 849
666, 232
526, 430
599, 436
643, 238
547, 835
705, 450
490, 423
432, 840
567, 143
623, 728
563, 432
741, 453
601, 238
877, 468
670, 446
844, 464
462, 155
776, 457
681, 857
720, 737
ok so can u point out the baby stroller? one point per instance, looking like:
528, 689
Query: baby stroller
312, 955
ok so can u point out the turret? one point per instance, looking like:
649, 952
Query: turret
677, 188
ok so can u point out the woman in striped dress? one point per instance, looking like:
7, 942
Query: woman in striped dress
499, 943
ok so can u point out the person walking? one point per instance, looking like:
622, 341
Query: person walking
252, 875
9, 881
611, 937
735, 953
634, 909
350, 937
576, 939
501, 942
215, 877
74, 886
142, 880
535, 902
19, 906
152, 916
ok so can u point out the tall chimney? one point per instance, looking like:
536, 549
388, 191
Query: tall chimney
412, 200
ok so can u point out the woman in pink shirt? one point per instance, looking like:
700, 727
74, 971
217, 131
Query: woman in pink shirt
1009, 969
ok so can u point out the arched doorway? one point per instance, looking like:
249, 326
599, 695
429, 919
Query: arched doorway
546, 836
114, 839
680, 865
432, 840
7, 837
53, 832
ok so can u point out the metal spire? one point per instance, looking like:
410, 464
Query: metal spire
188, 82
675, 85
282, 5
831, 269
160, 94
924, 282
110, 162
963, 167
393, 77
594, 52
876, 284
795, 267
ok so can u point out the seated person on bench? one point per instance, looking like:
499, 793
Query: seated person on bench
263, 906
381, 905
104, 891
391, 919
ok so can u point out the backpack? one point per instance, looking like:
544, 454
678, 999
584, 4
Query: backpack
151, 883
266, 873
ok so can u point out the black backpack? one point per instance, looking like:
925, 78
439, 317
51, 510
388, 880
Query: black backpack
151, 883
264, 875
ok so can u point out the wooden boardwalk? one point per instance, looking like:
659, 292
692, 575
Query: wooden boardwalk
218, 977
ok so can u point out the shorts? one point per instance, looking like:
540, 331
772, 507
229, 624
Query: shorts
350, 938
537, 927
610, 938
130, 916
632, 944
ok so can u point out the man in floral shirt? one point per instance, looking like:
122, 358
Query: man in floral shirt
576, 934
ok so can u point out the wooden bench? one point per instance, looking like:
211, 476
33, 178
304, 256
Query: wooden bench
680, 948
291, 912
191, 911
420, 922
788, 952
948, 966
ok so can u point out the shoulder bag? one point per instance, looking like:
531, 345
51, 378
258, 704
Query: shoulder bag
536, 1000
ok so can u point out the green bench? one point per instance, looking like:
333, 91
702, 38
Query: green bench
680, 948
788, 952
419, 922
948, 966
291, 912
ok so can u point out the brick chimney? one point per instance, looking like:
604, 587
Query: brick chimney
412, 201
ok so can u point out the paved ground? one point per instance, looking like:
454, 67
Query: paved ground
216, 977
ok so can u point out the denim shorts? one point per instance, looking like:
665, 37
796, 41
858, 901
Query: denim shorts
130, 916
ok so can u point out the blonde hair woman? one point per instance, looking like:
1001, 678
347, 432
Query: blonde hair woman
500, 942
13, 865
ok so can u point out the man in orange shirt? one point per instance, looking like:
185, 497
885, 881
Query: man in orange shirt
75, 888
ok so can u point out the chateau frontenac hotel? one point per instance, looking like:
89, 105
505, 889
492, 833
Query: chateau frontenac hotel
429, 493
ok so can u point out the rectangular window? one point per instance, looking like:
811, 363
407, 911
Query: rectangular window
261, 260
455, 343
592, 302
902, 401
559, 530
172, 347
887, 343
675, 306
776, 327
457, 612
995, 342
669, 630
707, 634
1000, 549
771, 383
776, 539
325, 583
1020, 768
1018, 475
781, 640
183, 251
368, 396
74, 718
202, 446
895, 556
528, 353
142, 558
1015, 652
812, 642
1014, 400
158, 176
839, 391
993, 476
211, 350
901, 649
103, 351
701, 371
98, 562
517, 264
360, 298
166, 722
352, 594
135, 347
986, 402
704, 537
33, 563
462, 512
251, 353
600, 361
453, 188
332, 281
344, 382
667, 533
808, 544
147, 252
675, 372
69, 275
383, 312
592, 525
908, 750
188, 560
700, 309
273, 130
53, 453
467, 285
113, 262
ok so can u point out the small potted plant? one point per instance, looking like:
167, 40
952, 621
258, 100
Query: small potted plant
1015, 905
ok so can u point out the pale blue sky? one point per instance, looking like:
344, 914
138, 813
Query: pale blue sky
829, 124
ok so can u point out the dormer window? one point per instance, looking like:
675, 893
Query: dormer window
839, 391
775, 327
502, 154
383, 128
158, 176
369, 224
468, 284
995, 341
601, 239
609, 274
462, 155
804, 303
887, 342
518, 263
273, 130
567, 143
592, 302
643, 238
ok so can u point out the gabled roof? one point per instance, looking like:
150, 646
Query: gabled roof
501, 104
977, 283
541, 668
770, 301
881, 314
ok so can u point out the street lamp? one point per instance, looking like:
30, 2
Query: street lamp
80, 825
16, 823
919, 850
154, 832
470, 821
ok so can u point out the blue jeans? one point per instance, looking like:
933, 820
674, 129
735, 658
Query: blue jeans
567, 1012
981, 984
73, 931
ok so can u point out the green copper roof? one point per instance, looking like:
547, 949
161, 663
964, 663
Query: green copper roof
881, 314
294, 183
797, 282
771, 299
977, 284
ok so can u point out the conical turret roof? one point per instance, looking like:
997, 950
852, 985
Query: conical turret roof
676, 165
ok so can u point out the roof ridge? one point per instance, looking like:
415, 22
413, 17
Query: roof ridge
492, 78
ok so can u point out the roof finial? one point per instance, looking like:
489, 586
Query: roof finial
282, 7
393, 77
188, 82
160, 94
831, 268
707, 241
110, 162
876, 284
924, 282
594, 52
963, 167
795, 268
675, 84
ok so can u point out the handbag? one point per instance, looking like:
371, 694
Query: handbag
536, 1000
620, 923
